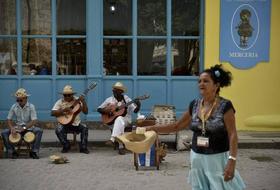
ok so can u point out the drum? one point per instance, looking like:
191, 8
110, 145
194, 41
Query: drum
29, 137
15, 139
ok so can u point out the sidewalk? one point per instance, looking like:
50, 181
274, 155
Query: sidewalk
98, 137
104, 169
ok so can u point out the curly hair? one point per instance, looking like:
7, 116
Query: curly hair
219, 75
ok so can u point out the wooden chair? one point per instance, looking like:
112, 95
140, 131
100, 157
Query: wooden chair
73, 141
23, 147
1, 147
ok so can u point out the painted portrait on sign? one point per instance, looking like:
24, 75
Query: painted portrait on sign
245, 27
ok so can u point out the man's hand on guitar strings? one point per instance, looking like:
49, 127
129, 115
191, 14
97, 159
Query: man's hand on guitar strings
66, 111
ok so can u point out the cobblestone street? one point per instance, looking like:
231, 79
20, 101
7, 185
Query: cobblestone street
104, 169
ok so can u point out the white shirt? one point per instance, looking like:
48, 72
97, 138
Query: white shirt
22, 115
112, 100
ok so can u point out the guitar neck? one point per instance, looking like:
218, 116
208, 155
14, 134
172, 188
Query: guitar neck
91, 86
85, 92
133, 101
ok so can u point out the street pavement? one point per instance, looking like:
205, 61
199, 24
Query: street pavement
104, 169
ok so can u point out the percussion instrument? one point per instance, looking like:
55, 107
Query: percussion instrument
15, 139
29, 137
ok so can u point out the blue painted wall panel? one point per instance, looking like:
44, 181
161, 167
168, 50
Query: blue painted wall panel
182, 93
41, 92
157, 91
7, 87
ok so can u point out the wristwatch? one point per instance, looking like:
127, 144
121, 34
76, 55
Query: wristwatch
232, 158
24, 128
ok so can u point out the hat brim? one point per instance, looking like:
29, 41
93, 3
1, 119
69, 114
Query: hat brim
26, 95
138, 143
67, 93
120, 88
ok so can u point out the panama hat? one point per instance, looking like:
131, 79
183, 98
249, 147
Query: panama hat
120, 86
138, 143
21, 93
67, 90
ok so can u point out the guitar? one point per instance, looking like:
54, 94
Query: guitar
75, 108
118, 110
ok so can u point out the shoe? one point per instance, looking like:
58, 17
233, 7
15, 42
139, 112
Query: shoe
110, 143
33, 155
14, 155
122, 151
65, 149
84, 150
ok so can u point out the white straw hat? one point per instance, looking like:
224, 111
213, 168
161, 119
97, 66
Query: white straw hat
67, 90
21, 93
120, 86
138, 143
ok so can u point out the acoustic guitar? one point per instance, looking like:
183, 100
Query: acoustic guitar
75, 108
118, 110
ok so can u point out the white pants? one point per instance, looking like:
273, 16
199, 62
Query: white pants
119, 125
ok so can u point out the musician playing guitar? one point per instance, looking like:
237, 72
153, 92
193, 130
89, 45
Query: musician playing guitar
119, 122
65, 108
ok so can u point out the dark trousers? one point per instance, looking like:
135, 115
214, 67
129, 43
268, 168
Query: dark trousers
62, 130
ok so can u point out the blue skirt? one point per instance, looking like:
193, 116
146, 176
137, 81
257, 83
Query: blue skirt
207, 173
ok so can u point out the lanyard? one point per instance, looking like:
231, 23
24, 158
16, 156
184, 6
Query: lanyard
205, 115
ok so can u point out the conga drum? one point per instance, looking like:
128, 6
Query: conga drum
15, 139
29, 137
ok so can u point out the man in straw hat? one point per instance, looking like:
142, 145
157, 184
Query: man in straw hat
120, 122
63, 108
25, 120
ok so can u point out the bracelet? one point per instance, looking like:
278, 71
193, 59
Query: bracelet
232, 158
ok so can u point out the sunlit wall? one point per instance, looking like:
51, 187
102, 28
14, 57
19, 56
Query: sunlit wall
255, 91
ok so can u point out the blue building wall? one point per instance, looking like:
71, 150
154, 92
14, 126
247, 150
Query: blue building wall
44, 90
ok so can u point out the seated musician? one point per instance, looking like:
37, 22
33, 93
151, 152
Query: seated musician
69, 119
25, 117
118, 122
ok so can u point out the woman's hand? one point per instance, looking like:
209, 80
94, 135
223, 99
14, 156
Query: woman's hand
229, 170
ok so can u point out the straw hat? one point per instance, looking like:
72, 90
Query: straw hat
120, 86
138, 143
21, 93
67, 90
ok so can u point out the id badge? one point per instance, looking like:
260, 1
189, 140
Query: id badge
202, 141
